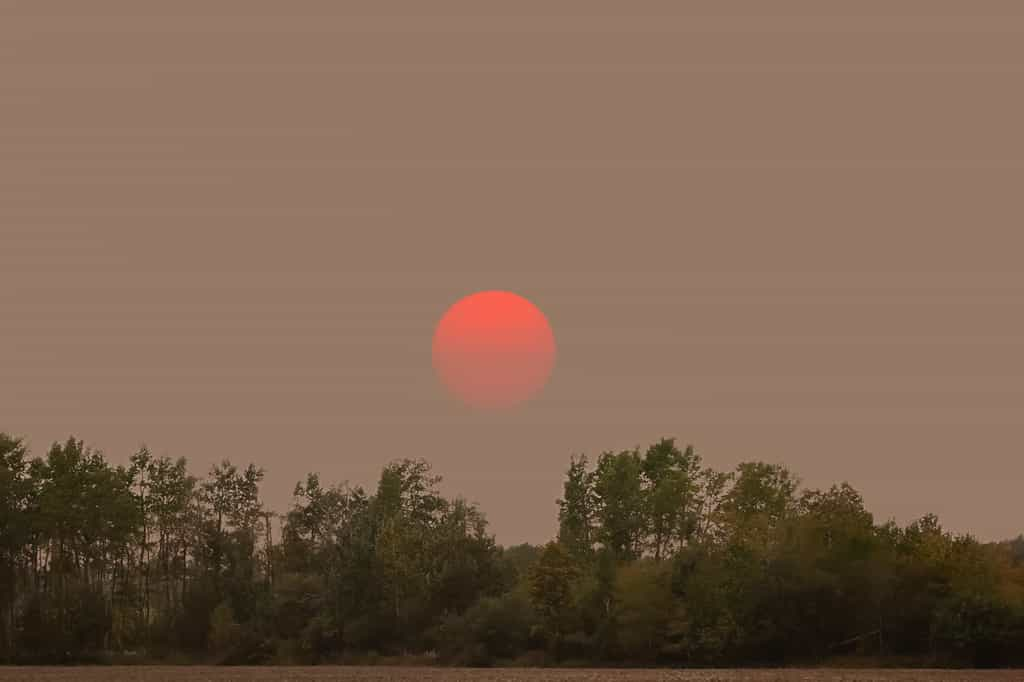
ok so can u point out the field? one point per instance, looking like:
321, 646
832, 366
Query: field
382, 674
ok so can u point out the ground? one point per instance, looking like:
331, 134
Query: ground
396, 674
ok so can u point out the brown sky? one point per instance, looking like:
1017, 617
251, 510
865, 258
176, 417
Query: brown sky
228, 228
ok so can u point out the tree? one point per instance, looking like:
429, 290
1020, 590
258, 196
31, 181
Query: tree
618, 490
762, 495
576, 509
658, 560
711, 500
644, 608
671, 476
15, 534
551, 583
170, 491
406, 510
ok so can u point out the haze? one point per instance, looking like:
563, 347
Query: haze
796, 238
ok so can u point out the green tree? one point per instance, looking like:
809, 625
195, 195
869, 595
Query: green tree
762, 495
658, 560
551, 592
620, 508
671, 495
644, 608
15, 533
576, 509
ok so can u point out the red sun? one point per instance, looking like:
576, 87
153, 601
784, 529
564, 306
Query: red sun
494, 349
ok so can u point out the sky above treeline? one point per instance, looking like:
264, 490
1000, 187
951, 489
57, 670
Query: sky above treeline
791, 238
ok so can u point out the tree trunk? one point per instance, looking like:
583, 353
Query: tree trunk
270, 556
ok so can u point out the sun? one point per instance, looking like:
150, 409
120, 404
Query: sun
494, 349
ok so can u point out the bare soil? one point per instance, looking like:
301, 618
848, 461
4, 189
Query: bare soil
400, 674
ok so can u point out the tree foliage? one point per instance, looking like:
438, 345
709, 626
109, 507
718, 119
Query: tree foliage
659, 559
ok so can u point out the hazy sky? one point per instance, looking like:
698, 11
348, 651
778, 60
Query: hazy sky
228, 229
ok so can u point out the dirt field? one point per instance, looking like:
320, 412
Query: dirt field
381, 674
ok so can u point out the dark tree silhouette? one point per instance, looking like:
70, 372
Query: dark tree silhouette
659, 560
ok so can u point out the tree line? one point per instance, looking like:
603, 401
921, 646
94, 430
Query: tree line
659, 560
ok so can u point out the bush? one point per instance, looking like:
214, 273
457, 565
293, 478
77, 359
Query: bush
319, 638
288, 652
225, 633
644, 599
493, 629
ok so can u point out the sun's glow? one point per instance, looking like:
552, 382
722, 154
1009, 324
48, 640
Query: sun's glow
494, 349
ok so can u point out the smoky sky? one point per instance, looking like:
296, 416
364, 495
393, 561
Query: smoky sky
229, 231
